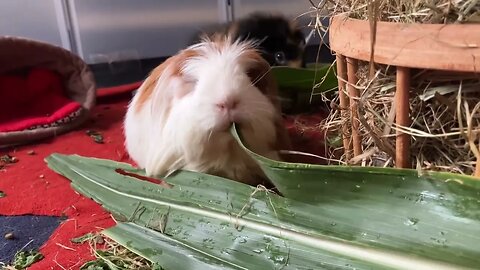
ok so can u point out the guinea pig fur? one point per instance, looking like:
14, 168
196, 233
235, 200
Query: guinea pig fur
181, 115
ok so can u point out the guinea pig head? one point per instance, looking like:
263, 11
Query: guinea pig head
230, 83
282, 42
196, 97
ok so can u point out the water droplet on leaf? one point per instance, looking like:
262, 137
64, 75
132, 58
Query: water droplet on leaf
411, 221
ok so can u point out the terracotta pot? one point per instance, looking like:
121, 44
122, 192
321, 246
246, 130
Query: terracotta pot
452, 47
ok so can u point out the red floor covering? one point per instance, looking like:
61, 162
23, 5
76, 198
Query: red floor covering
32, 188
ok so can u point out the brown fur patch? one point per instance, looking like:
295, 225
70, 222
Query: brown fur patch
174, 63
233, 29
261, 76
295, 63
220, 40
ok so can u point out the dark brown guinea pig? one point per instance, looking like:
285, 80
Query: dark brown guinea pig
280, 41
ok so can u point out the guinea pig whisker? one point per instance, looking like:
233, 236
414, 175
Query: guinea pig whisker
261, 77
260, 109
261, 105
256, 102
277, 97
273, 96
209, 135
252, 115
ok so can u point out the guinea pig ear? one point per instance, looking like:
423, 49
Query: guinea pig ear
261, 76
259, 71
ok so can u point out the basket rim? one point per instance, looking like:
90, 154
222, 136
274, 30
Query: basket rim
450, 47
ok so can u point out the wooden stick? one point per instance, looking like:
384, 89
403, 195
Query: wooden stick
344, 104
352, 66
402, 103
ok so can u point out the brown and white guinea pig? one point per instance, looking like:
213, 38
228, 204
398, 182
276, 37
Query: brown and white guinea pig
181, 115
281, 42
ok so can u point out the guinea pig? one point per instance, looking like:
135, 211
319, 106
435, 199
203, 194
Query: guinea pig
281, 42
180, 117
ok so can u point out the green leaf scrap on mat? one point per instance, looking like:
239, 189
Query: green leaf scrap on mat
332, 217
83, 238
25, 259
97, 264
2, 194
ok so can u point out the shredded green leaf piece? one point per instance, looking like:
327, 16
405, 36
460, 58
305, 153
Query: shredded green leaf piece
8, 159
335, 141
82, 239
2, 194
25, 259
95, 135
95, 265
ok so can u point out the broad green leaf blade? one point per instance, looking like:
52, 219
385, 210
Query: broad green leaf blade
435, 215
158, 247
305, 79
332, 226
299, 88
212, 232
213, 245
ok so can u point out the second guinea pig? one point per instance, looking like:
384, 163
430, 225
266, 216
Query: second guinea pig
181, 115
281, 41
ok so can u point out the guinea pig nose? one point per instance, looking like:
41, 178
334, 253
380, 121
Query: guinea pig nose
227, 105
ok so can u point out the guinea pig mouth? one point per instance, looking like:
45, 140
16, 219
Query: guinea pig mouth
225, 121
223, 126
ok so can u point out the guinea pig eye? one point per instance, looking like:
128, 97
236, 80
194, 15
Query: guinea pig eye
189, 80
280, 58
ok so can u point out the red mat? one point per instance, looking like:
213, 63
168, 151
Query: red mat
32, 188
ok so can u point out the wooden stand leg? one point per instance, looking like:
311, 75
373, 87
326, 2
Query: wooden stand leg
352, 66
402, 103
344, 104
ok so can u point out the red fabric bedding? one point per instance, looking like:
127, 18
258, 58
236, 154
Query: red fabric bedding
36, 98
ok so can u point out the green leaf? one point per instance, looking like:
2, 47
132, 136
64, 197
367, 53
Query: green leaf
2, 194
83, 238
334, 141
95, 135
360, 218
8, 159
430, 214
24, 259
191, 190
299, 87
320, 79
95, 265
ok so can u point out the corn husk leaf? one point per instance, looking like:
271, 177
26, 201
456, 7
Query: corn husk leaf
393, 220
301, 88
201, 217
321, 78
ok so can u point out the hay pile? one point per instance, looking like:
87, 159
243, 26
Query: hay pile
407, 11
111, 255
445, 106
